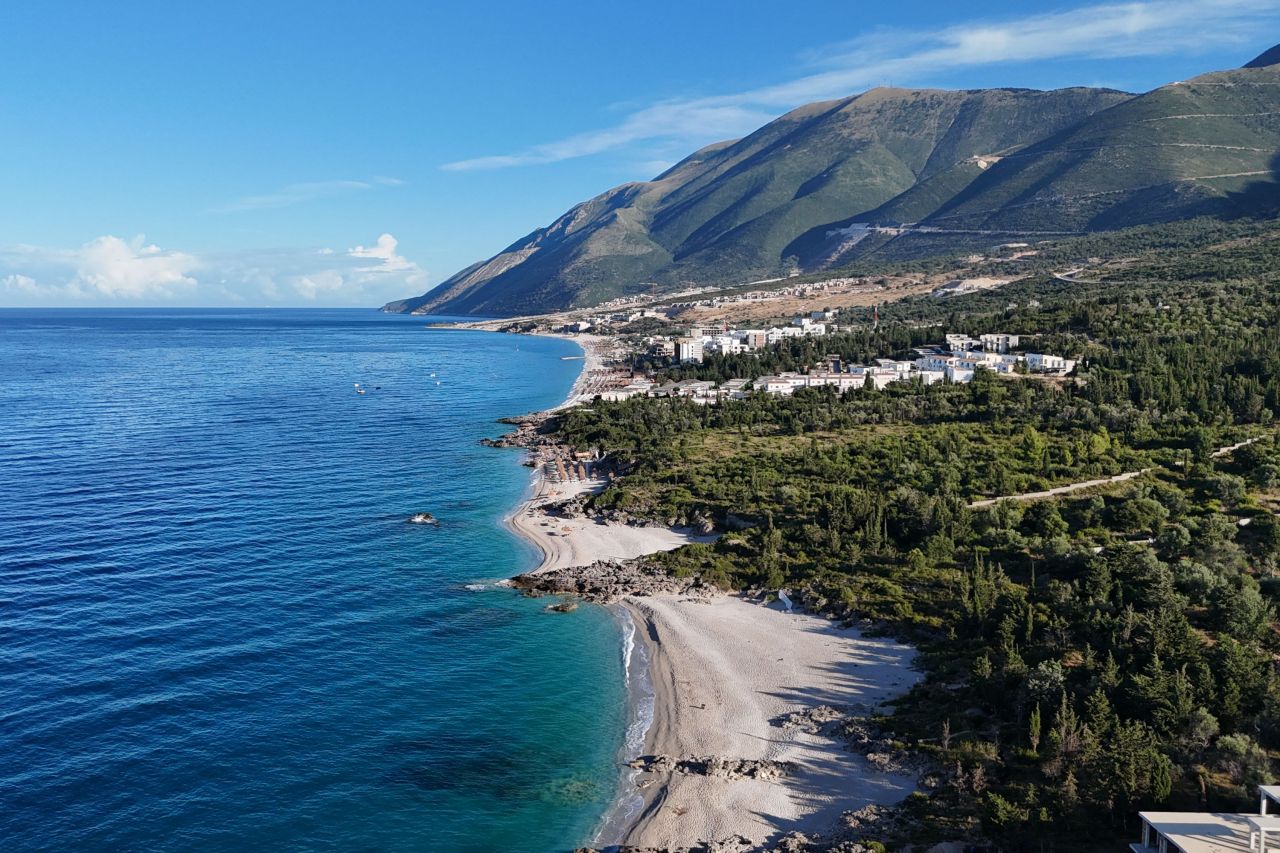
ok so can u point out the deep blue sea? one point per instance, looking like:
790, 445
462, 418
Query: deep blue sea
219, 632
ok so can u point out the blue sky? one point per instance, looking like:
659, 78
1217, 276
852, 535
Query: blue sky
342, 153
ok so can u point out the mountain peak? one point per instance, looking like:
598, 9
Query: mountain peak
970, 162
1265, 59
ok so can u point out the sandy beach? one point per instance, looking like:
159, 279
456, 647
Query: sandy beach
596, 350
567, 542
723, 671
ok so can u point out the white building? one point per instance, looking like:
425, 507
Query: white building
935, 362
962, 343
635, 388
689, 350
778, 335
775, 385
1044, 363
999, 342
724, 343
929, 377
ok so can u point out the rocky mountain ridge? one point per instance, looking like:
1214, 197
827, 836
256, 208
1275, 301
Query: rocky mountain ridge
993, 164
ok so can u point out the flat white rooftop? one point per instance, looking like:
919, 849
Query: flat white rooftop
1202, 832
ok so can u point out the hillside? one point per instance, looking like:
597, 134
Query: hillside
1188, 148
794, 194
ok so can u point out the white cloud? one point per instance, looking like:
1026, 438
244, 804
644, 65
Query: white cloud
109, 270
1106, 31
132, 269
20, 283
315, 285
301, 193
385, 251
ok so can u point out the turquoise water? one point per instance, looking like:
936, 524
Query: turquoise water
219, 631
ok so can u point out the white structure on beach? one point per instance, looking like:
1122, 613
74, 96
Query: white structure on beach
637, 387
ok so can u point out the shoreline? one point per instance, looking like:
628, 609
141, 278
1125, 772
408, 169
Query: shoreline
580, 542
725, 672
711, 678
568, 542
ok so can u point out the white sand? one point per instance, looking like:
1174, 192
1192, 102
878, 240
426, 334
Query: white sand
583, 541
595, 350
722, 670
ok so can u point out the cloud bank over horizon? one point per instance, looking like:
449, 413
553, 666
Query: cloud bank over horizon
112, 271
905, 57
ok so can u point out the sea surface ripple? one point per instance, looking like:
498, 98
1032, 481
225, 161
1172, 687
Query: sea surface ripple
219, 632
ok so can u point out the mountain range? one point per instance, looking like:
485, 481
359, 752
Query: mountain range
799, 193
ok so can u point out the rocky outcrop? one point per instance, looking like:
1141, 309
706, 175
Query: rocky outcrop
532, 430
563, 607
858, 733
820, 719
799, 842
714, 767
851, 830
605, 582
733, 844
847, 836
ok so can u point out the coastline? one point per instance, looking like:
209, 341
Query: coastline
571, 542
725, 672
711, 678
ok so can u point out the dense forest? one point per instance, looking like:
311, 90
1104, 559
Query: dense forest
1085, 656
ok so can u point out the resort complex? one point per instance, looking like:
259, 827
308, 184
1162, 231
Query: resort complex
955, 360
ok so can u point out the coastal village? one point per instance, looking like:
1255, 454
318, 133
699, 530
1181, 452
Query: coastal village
956, 359
592, 556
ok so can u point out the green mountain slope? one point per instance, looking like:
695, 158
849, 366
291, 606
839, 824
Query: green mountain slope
799, 192
730, 210
1189, 148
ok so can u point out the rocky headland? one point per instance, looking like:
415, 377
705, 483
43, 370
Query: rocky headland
608, 581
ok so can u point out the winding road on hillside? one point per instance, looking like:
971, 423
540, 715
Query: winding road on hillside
1104, 481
